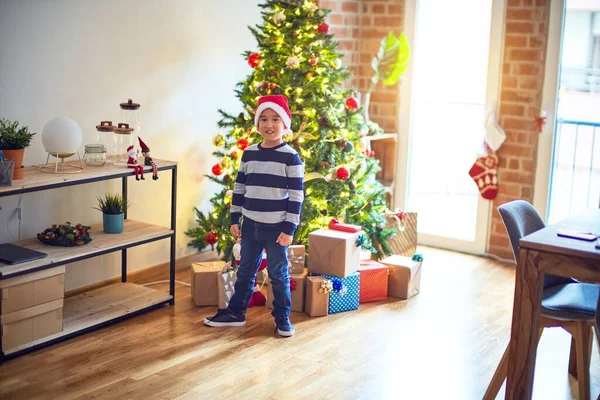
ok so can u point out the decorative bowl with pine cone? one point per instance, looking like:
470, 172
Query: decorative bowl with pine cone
66, 235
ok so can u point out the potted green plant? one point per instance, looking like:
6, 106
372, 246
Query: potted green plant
113, 208
13, 140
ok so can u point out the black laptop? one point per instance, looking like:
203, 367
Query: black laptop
12, 254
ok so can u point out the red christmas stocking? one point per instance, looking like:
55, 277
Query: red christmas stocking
484, 172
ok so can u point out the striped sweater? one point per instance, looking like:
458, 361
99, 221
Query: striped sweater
269, 187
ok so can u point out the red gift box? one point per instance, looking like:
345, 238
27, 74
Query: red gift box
373, 281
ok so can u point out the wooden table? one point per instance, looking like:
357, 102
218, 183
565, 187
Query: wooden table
540, 253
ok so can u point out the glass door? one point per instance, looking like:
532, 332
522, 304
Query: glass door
568, 165
452, 84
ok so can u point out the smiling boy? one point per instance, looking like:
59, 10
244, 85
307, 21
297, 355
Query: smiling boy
267, 196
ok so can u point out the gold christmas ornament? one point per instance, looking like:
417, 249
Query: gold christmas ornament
218, 141
337, 63
310, 6
225, 162
236, 155
278, 17
293, 62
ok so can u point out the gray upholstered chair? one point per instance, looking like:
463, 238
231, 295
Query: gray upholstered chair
566, 303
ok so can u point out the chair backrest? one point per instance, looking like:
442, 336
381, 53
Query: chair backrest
598, 318
521, 219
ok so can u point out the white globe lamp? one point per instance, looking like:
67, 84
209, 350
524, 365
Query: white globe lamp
62, 138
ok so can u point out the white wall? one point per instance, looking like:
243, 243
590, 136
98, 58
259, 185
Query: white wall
179, 59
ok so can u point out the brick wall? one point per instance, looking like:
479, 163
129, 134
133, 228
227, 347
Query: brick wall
360, 25
526, 34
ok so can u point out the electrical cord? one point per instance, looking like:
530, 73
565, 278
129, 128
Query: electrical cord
20, 214
503, 260
165, 281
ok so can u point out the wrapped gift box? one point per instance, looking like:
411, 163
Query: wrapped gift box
345, 294
373, 281
405, 276
297, 284
404, 241
317, 297
262, 277
204, 282
296, 256
333, 252
225, 281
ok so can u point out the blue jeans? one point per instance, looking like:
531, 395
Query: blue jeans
257, 236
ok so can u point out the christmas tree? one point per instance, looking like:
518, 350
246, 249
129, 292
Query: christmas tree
297, 57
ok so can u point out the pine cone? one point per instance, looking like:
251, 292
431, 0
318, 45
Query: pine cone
324, 121
324, 212
325, 165
352, 185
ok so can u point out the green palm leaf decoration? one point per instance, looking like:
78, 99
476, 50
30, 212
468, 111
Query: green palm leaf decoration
391, 60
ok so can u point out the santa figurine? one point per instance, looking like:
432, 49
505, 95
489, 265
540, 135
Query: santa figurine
132, 162
148, 158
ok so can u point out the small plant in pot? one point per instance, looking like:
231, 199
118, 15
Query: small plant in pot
13, 141
113, 208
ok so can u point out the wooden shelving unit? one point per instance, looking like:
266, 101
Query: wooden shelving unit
384, 146
99, 307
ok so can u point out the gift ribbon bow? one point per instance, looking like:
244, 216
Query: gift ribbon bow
339, 287
361, 240
293, 284
398, 216
417, 257
335, 224
326, 286
295, 259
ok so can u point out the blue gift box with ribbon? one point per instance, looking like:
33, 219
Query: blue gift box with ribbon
345, 293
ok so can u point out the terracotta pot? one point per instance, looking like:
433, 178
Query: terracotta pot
17, 155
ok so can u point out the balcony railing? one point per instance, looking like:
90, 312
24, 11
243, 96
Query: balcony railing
575, 176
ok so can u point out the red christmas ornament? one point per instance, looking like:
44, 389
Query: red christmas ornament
242, 144
272, 86
323, 28
314, 61
342, 173
254, 60
211, 238
351, 104
217, 170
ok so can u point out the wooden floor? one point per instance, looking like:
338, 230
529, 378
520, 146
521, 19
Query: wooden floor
443, 344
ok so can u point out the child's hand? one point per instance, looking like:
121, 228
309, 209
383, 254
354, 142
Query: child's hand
284, 239
235, 230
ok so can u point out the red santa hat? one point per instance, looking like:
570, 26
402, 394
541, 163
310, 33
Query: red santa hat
145, 149
131, 151
277, 103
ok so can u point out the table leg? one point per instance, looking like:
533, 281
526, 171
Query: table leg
527, 305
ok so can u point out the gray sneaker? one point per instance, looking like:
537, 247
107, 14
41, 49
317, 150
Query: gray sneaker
284, 327
224, 317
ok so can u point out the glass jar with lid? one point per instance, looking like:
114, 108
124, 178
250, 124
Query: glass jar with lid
104, 136
95, 155
130, 114
123, 139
